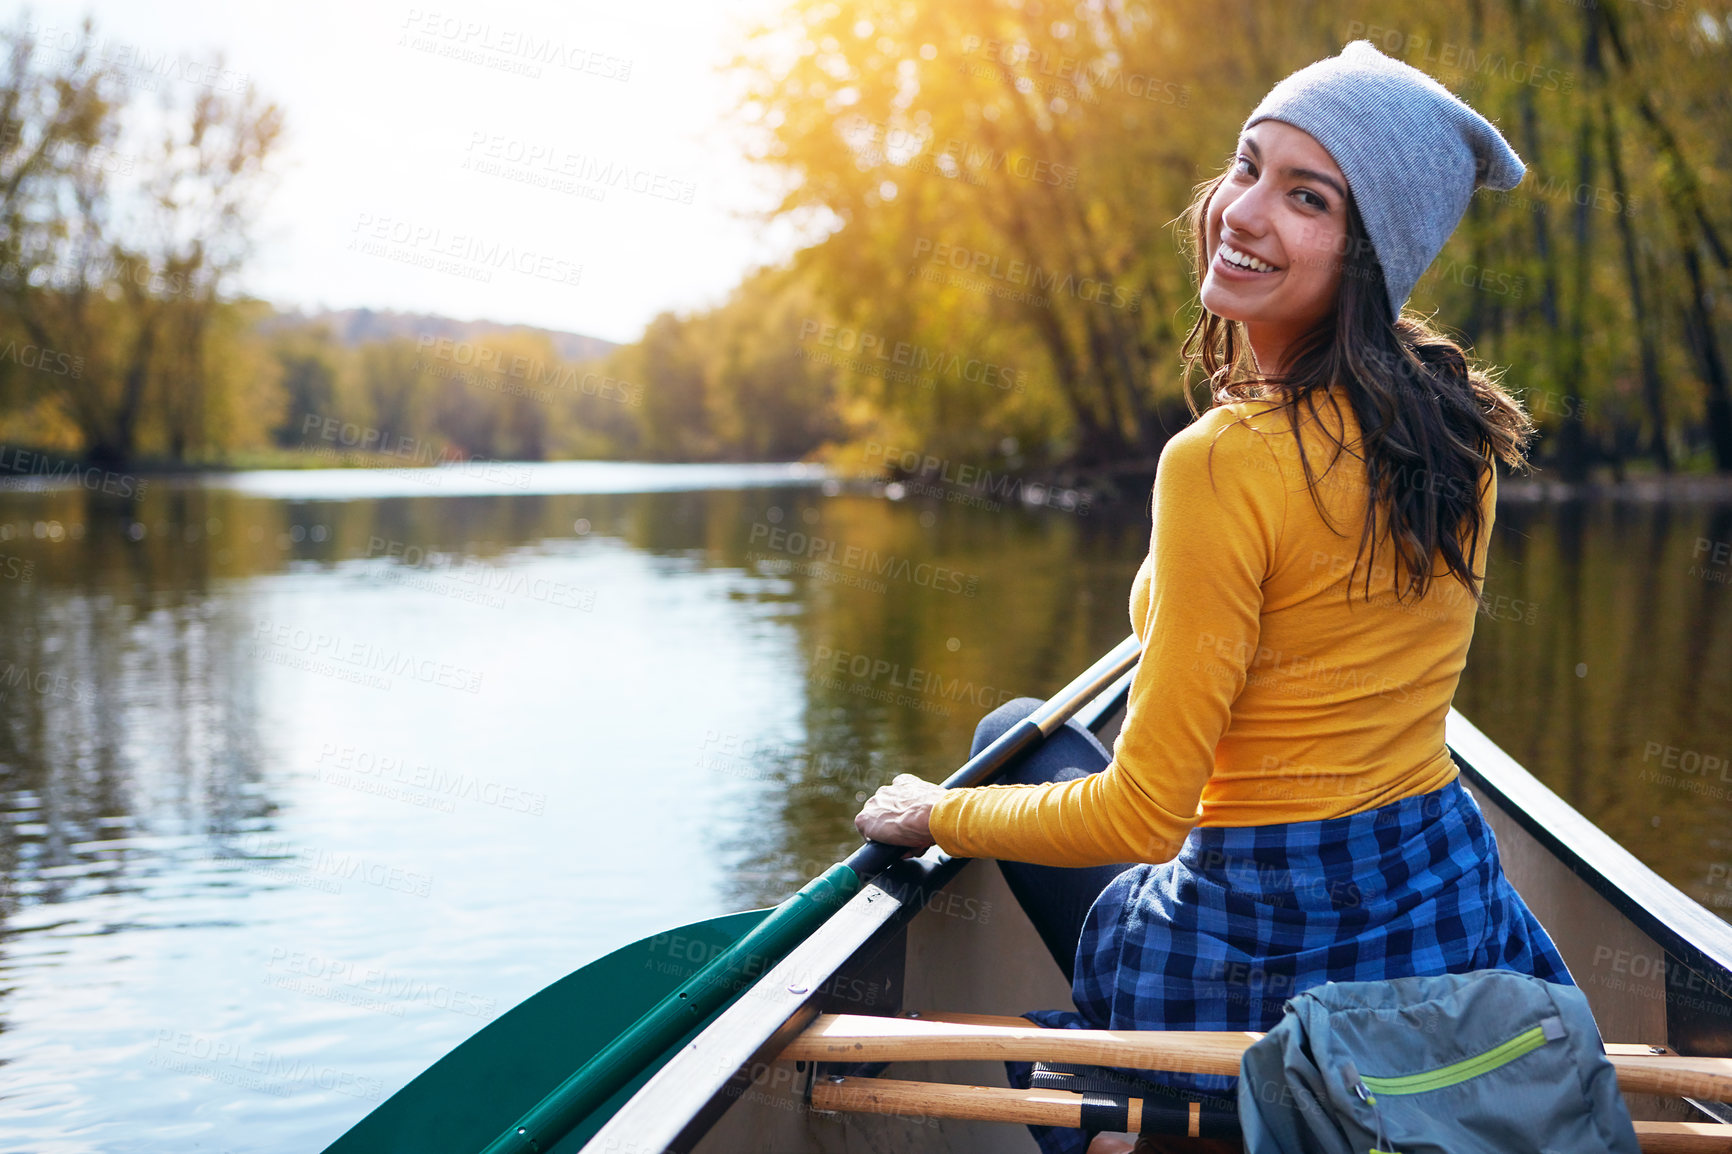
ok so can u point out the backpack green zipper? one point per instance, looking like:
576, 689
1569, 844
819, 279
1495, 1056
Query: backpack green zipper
1525, 1042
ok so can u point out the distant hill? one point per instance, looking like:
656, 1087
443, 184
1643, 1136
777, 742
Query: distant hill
358, 326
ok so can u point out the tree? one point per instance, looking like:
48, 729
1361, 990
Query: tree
966, 170
308, 364
127, 277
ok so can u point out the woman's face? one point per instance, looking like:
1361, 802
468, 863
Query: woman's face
1283, 203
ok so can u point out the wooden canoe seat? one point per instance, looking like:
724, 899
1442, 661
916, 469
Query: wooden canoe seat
855, 1038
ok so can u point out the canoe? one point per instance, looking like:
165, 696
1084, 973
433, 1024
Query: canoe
935, 935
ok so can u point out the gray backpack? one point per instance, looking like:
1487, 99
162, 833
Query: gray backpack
1491, 1061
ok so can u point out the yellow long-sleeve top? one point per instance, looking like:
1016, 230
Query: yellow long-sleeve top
1263, 696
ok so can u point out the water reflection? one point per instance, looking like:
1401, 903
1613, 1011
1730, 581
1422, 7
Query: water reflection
302, 786
1612, 679
299, 793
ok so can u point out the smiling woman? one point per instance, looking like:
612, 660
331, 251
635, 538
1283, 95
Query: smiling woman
1313, 278
1280, 809
1276, 226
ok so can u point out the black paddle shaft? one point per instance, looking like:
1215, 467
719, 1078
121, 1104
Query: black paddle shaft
874, 857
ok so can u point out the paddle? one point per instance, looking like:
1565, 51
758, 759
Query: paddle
512, 1089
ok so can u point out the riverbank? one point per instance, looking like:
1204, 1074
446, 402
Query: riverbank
1104, 485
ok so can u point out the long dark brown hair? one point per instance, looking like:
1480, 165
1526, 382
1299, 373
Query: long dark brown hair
1429, 420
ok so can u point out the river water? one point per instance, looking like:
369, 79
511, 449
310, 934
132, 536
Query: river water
306, 776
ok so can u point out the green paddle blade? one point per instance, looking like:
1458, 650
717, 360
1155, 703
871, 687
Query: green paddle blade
463, 1101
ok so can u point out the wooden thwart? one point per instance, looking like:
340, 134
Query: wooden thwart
965, 1037
1062, 1108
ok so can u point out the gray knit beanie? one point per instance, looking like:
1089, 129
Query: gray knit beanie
1411, 151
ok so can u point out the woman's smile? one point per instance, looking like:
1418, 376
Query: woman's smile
1239, 267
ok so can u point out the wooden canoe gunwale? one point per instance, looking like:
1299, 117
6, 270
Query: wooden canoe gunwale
1694, 944
700, 1083
1686, 929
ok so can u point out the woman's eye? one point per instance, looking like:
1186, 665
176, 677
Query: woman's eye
1312, 199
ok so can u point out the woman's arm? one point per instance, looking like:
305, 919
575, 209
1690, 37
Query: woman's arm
1216, 524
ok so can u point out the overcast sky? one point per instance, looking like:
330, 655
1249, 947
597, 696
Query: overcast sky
421, 135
